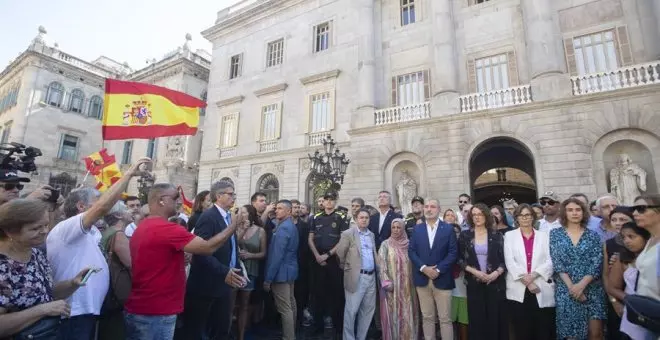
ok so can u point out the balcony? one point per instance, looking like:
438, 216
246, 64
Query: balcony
496, 99
269, 145
317, 138
624, 77
402, 114
227, 152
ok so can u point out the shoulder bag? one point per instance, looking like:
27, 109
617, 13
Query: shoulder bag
643, 311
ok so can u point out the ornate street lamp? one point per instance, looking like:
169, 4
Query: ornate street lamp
145, 182
329, 166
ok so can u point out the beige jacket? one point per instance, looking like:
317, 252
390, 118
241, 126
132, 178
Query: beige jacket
349, 251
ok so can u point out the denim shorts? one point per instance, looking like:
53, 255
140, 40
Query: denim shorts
250, 286
139, 327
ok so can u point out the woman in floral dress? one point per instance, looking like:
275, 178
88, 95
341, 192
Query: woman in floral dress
577, 259
398, 301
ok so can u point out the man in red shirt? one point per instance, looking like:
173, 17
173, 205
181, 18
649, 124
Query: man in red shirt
158, 270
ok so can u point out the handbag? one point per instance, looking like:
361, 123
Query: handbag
643, 311
120, 280
45, 329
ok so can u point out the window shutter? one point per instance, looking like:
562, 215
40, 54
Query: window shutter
472, 76
623, 43
569, 50
331, 108
278, 120
427, 85
394, 94
513, 68
235, 122
260, 123
307, 113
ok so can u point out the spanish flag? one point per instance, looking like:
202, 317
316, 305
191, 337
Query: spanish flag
138, 110
187, 205
104, 167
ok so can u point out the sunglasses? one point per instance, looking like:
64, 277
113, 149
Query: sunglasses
642, 208
12, 186
462, 202
545, 202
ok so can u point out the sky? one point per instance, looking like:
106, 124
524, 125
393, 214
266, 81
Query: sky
124, 30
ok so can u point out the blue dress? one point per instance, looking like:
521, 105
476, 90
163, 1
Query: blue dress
577, 261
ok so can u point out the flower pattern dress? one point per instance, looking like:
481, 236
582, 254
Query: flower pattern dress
25, 285
585, 258
399, 308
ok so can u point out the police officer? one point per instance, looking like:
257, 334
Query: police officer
416, 216
325, 230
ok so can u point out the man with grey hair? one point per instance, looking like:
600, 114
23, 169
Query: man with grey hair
73, 245
604, 229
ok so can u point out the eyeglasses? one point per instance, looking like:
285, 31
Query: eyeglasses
642, 208
525, 215
462, 202
12, 186
547, 202
231, 194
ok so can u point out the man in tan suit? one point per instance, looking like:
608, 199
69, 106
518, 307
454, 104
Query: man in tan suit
357, 257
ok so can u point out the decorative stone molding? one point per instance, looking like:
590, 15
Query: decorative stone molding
320, 77
275, 168
231, 173
271, 89
229, 101
64, 70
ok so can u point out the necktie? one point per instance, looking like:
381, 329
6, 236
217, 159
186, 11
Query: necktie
232, 262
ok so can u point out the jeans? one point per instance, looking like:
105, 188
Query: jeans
149, 327
79, 327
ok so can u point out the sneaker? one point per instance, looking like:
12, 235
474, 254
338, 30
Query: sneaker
327, 322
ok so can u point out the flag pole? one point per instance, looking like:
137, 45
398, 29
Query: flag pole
83, 180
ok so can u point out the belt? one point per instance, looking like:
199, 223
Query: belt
367, 272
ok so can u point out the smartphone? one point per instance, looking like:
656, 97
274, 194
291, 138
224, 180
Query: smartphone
54, 195
89, 273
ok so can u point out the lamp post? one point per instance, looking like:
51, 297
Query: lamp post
329, 165
145, 182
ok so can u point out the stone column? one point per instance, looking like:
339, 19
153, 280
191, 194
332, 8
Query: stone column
656, 12
366, 85
545, 55
444, 82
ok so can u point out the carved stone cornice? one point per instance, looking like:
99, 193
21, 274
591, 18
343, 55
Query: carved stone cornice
76, 74
229, 101
271, 89
320, 77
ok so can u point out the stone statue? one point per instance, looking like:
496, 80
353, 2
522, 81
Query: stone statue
175, 147
628, 180
406, 190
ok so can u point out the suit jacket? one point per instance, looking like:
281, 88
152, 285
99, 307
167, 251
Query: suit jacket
495, 260
516, 265
442, 253
282, 262
207, 273
385, 233
349, 251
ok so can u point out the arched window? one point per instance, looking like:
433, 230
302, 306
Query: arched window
55, 94
269, 185
76, 100
202, 111
95, 107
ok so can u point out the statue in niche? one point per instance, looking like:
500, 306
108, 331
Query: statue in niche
628, 180
406, 190
175, 147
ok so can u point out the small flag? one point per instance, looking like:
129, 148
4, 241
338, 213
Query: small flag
104, 167
139, 110
187, 205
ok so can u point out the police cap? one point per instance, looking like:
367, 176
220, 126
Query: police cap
417, 199
330, 196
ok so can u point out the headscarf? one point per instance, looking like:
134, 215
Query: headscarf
400, 242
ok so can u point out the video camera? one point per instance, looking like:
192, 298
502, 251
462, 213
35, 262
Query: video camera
18, 157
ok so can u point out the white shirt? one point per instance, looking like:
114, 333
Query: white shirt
431, 230
547, 226
70, 249
130, 229
460, 289
185, 217
382, 221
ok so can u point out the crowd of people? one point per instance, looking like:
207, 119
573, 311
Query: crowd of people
104, 266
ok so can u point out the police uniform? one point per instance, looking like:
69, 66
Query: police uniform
411, 220
328, 289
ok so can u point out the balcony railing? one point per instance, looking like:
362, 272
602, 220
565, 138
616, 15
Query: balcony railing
227, 152
496, 99
624, 77
400, 114
269, 146
316, 138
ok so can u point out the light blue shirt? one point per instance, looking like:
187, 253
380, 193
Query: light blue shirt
366, 251
227, 217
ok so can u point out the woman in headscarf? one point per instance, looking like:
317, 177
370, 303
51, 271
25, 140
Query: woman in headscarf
398, 304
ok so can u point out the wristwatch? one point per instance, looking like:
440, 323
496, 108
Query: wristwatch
613, 299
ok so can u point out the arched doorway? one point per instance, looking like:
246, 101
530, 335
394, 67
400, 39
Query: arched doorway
502, 168
270, 186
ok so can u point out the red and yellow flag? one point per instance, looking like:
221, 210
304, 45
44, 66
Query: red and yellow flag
187, 205
104, 167
138, 110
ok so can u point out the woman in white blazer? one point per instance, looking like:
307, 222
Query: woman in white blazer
529, 286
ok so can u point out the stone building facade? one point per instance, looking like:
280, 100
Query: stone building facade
444, 90
53, 101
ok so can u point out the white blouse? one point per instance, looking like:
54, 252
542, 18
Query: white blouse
648, 283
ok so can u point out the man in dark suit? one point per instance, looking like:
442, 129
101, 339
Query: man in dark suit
212, 283
380, 224
433, 251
